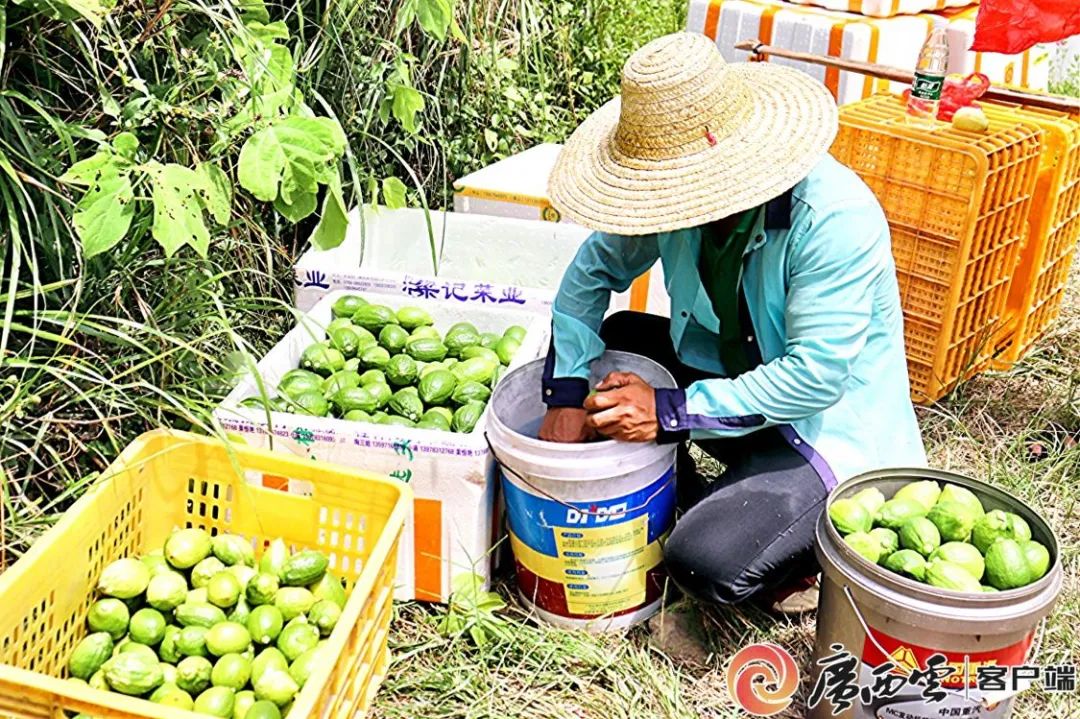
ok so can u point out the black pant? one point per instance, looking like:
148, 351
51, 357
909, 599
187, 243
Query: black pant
750, 530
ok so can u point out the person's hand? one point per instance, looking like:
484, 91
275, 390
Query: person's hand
566, 424
624, 407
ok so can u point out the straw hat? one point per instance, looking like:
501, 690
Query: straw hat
691, 139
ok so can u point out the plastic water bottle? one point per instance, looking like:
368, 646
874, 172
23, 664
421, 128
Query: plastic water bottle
930, 73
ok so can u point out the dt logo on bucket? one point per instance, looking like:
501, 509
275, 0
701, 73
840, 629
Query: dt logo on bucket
762, 678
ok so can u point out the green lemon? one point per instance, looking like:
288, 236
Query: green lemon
155, 562
1007, 565
293, 601
240, 612
216, 702
997, 525
329, 587
263, 710
124, 579
223, 590
964, 496
242, 703
887, 539
168, 651
262, 588
277, 686
920, 534
896, 512
187, 547
1038, 559
295, 639
961, 554
232, 549
871, 499
953, 520
865, 545
269, 658
147, 627
925, 492
227, 638
193, 674
109, 615
324, 614
305, 664
166, 591
191, 642
265, 623
231, 670
206, 570
172, 696
273, 559
946, 575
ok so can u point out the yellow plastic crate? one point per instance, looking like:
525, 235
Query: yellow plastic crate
957, 204
1042, 273
170, 479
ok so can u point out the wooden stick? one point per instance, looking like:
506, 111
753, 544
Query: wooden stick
895, 74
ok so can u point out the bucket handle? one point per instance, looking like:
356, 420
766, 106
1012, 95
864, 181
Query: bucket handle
538, 490
870, 635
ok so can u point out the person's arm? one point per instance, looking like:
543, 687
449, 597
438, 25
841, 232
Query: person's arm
835, 258
604, 264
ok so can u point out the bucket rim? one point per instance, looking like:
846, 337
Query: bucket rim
922, 591
494, 421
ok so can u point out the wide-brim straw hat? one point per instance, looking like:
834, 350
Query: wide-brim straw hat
690, 140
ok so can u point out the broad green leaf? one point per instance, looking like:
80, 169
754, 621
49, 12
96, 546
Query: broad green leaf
87, 172
253, 11
330, 232
103, 216
491, 139
178, 209
393, 191
406, 15
302, 206
407, 103
268, 32
126, 144
216, 191
456, 32
287, 157
434, 17
92, 10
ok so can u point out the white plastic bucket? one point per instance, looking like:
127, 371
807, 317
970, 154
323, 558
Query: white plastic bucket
880, 617
587, 521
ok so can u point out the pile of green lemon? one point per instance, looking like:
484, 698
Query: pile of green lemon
201, 626
390, 367
941, 536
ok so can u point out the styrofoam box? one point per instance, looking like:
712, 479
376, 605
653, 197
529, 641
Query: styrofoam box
484, 260
453, 478
885, 8
892, 41
512, 187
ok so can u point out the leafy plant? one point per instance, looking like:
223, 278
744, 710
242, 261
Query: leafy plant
471, 610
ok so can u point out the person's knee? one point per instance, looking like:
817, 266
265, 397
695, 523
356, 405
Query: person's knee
706, 572
618, 325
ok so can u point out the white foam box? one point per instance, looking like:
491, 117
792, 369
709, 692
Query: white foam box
452, 526
512, 187
885, 8
892, 41
482, 260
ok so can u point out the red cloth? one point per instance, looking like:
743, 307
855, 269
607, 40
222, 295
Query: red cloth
1012, 26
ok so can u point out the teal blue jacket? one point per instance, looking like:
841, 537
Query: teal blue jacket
819, 289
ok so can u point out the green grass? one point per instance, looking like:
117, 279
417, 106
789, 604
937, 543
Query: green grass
985, 430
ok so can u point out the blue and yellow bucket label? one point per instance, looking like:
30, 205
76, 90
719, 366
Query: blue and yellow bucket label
590, 559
